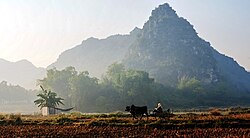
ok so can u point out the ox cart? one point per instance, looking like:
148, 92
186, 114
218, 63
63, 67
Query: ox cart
162, 114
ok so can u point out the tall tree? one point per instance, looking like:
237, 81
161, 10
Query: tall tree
84, 90
133, 86
60, 81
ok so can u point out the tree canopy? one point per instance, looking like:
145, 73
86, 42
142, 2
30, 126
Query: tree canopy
120, 87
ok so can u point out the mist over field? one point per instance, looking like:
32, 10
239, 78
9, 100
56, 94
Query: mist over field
164, 60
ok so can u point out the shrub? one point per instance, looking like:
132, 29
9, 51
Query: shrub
14, 116
2, 117
18, 121
76, 114
118, 114
63, 120
215, 112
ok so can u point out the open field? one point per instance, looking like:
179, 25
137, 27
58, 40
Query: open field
117, 131
122, 125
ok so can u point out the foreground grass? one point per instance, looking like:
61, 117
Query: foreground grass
187, 120
122, 125
117, 131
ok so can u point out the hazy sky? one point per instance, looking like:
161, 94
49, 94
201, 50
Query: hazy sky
39, 30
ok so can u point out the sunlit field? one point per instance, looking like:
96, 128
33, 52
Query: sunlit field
215, 123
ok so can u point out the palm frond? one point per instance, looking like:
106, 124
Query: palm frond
48, 99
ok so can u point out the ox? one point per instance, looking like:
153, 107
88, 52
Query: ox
136, 110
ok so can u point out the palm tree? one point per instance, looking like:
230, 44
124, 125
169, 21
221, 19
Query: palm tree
48, 99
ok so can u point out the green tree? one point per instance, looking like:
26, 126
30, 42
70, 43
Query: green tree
60, 81
84, 90
114, 74
48, 99
133, 86
189, 84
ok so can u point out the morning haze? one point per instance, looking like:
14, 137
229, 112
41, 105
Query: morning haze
95, 54
40, 30
134, 68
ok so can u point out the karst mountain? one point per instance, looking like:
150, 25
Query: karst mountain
168, 47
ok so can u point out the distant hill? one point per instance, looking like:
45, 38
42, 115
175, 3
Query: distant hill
16, 99
14, 94
95, 55
22, 73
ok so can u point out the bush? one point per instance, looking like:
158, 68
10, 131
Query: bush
102, 116
2, 117
215, 112
64, 120
76, 114
15, 117
118, 114
18, 121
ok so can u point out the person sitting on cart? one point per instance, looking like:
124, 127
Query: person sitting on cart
158, 108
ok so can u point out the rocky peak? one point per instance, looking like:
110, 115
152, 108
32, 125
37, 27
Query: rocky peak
163, 11
165, 24
170, 41
136, 31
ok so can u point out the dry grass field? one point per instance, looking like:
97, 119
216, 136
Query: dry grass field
123, 125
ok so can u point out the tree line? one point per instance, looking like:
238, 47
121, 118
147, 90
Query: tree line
117, 88
11, 94
120, 87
